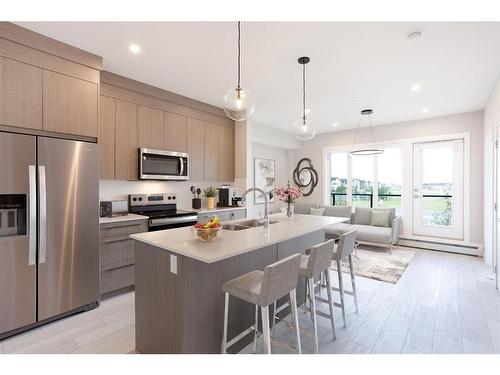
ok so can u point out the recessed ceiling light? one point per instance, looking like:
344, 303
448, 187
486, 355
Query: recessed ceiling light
134, 48
414, 35
335, 124
355, 102
416, 87
425, 110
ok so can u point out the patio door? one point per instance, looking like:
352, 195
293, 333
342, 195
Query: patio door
438, 189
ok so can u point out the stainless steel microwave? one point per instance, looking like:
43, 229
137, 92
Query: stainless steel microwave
163, 165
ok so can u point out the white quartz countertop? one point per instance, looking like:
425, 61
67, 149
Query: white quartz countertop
204, 210
118, 219
228, 243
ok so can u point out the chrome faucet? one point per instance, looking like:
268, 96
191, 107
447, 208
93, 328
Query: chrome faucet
266, 209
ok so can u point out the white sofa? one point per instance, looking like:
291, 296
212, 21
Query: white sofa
360, 220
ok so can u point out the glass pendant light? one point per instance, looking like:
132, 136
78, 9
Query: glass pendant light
238, 102
303, 128
372, 149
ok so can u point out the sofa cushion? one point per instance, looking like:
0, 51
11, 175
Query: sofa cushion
338, 211
338, 228
380, 218
316, 211
370, 233
362, 215
302, 208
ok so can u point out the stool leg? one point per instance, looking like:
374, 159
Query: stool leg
274, 320
353, 282
265, 329
256, 328
313, 314
295, 318
330, 301
341, 289
226, 310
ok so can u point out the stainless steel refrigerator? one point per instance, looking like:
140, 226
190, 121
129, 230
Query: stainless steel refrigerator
49, 229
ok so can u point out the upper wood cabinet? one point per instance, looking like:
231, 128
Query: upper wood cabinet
126, 142
212, 151
175, 132
195, 149
151, 128
69, 104
20, 94
106, 137
227, 154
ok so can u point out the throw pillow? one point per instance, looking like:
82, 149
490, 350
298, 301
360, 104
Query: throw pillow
317, 211
380, 218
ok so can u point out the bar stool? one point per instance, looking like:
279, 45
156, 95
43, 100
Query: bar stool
318, 263
345, 249
262, 288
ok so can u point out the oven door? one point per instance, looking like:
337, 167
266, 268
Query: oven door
172, 222
163, 165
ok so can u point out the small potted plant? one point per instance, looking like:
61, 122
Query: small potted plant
289, 195
210, 193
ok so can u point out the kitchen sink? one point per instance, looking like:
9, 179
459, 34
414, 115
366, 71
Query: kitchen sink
247, 224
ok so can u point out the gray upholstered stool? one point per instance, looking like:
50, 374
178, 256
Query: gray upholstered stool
345, 249
318, 263
262, 288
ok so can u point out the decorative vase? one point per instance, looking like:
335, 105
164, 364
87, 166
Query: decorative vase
210, 203
289, 210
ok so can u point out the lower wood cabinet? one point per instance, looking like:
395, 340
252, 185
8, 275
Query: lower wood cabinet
117, 255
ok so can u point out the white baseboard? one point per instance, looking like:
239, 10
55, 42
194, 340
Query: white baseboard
444, 245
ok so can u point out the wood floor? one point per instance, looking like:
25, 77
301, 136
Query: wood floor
443, 303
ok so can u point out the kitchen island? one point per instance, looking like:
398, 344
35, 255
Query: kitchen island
178, 280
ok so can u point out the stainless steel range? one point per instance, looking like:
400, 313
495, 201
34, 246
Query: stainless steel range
161, 210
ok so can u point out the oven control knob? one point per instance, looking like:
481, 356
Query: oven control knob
173, 197
169, 198
134, 199
140, 199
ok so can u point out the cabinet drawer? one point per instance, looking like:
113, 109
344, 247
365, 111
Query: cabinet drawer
114, 232
117, 254
116, 279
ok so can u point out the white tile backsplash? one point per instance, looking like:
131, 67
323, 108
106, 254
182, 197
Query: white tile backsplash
115, 190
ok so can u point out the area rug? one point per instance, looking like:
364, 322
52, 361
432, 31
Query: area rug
379, 264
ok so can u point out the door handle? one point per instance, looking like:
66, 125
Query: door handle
32, 215
182, 166
42, 191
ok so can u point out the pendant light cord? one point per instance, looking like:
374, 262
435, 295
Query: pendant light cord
372, 132
356, 134
239, 54
304, 93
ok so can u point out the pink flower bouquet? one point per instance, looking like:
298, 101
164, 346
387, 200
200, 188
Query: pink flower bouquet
289, 195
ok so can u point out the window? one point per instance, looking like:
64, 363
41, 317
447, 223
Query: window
362, 181
389, 170
338, 180
366, 181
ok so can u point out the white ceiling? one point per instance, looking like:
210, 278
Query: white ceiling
456, 64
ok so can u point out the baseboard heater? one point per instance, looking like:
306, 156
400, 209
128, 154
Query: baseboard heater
469, 249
